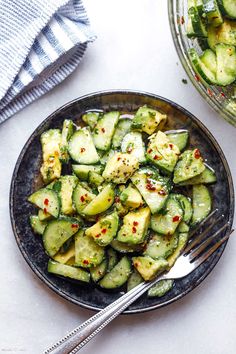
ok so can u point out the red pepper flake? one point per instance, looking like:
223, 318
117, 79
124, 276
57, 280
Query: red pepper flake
197, 154
134, 230
197, 78
118, 158
162, 192
150, 187
85, 261
109, 199
135, 223
171, 146
45, 211
117, 199
149, 151
82, 150
222, 94
182, 20
104, 231
97, 236
176, 218
157, 157
210, 93
82, 198
129, 150
46, 201
103, 130
74, 225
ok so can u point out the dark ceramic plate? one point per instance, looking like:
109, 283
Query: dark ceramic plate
26, 179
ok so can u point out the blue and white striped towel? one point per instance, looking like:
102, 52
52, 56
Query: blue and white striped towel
41, 43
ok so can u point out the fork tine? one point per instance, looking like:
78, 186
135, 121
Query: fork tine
203, 222
196, 240
206, 255
204, 244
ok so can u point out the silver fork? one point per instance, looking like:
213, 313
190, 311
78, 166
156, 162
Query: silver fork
197, 251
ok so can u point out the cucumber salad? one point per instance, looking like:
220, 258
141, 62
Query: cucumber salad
120, 194
213, 23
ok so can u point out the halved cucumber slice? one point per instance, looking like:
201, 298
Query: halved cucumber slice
196, 27
148, 267
133, 144
101, 202
228, 8
87, 252
82, 171
122, 247
118, 275
104, 130
183, 239
222, 34
81, 198
91, 118
201, 203
208, 58
200, 68
178, 137
81, 147
123, 127
183, 227
67, 256
134, 280
67, 186
44, 216
226, 64
95, 179
68, 271
161, 246
112, 259
167, 221
99, 271
161, 288
47, 200
207, 176
186, 206
212, 12
153, 187
68, 129
37, 225
58, 232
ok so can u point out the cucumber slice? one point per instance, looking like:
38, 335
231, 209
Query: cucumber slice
228, 8
99, 271
120, 167
222, 34
133, 144
104, 231
51, 167
212, 12
178, 137
168, 220
67, 131
134, 280
67, 186
161, 288
208, 58
201, 203
118, 275
196, 27
91, 118
123, 127
200, 68
101, 202
148, 120
190, 164
81, 147
95, 179
67, 256
122, 247
161, 246
44, 216
47, 200
207, 176
162, 153
183, 227
226, 64
104, 130
153, 187
135, 226
112, 259
68, 271
81, 198
82, 171
183, 239
87, 252
148, 267
186, 206
37, 225
58, 232
199, 6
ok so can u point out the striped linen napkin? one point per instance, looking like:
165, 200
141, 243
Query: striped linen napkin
41, 43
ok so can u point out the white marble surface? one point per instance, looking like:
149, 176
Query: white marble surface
133, 50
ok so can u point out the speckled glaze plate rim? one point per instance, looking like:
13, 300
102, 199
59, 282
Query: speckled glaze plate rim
50, 118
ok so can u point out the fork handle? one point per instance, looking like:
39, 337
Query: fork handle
81, 335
